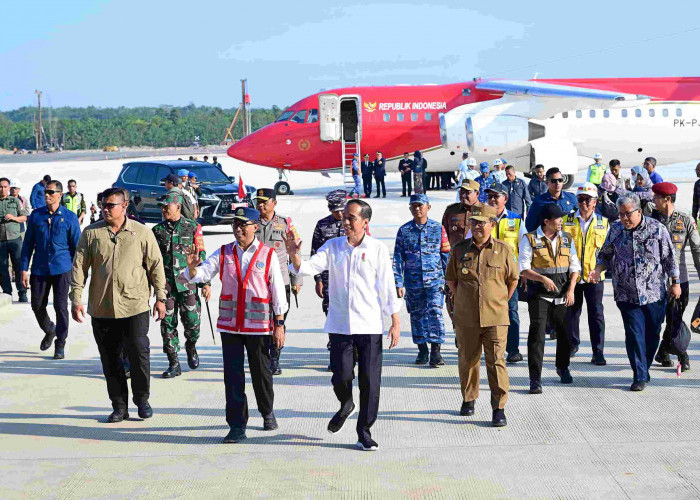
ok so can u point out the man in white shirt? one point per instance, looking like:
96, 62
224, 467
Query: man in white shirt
547, 258
361, 290
245, 321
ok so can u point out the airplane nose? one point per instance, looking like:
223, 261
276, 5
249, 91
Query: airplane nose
245, 150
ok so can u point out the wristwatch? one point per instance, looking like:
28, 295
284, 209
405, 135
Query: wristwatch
160, 300
279, 322
675, 281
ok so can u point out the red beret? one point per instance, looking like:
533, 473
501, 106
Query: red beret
664, 188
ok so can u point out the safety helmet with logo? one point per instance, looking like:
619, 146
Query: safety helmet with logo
471, 162
497, 162
597, 156
14, 183
587, 189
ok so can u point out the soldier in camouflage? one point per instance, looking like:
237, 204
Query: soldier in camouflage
175, 236
421, 252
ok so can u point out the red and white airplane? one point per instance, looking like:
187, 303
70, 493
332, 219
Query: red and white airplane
553, 122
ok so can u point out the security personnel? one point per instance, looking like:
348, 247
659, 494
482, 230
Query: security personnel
482, 273
555, 194
507, 229
270, 230
589, 230
421, 251
596, 170
548, 260
406, 170
74, 201
683, 230
175, 236
187, 191
485, 180
455, 220
172, 184
367, 169
12, 214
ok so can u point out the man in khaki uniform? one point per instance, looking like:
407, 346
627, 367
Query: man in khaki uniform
482, 274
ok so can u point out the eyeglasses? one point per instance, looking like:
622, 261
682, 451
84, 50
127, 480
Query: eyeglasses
241, 223
628, 215
475, 222
51, 192
110, 206
493, 196
557, 181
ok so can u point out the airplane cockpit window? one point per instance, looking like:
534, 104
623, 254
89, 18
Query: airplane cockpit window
665, 113
591, 113
300, 117
428, 117
624, 113
387, 117
638, 113
679, 112
313, 116
399, 117
652, 113
565, 114
284, 116
414, 117
578, 113
606, 113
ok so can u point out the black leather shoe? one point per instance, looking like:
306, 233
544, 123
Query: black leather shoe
368, 444
174, 369
598, 359
423, 354
270, 422
118, 416
499, 418
467, 409
145, 410
338, 420
59, 352
47, 341
514, 357
192, 356
23, 298
235, 436
684, 360
638, 386
565, 376
535, 387
553, 335
663, 359
574, 350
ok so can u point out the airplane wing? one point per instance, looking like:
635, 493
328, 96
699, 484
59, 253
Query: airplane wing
539, 89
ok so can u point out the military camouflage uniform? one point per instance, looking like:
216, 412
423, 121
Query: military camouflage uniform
420, 257
174, 238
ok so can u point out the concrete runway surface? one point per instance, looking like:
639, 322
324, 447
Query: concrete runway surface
593, 439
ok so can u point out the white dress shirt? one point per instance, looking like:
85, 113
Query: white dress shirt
361, 286
585, 224
525, 257
211, 267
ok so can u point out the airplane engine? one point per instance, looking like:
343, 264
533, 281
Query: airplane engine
491, 134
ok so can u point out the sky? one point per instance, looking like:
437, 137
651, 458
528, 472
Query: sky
109, 53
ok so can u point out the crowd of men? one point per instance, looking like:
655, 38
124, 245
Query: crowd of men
503, 242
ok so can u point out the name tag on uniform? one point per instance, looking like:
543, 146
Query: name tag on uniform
600, 226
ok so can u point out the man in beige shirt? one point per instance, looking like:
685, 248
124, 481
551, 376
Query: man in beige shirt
124, 258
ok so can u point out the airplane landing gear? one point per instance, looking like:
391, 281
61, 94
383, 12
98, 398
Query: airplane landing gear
282, 187
568, 180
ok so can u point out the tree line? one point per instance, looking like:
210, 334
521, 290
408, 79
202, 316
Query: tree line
95, 128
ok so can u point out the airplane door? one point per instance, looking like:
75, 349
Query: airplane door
329, 117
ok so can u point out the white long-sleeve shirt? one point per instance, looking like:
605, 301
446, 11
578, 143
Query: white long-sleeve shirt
361, 286
211, 267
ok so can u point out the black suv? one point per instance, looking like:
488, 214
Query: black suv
144, 179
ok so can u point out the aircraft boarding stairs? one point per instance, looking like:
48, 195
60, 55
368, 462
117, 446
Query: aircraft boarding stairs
349, 149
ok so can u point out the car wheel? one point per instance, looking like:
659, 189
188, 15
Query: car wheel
282, 188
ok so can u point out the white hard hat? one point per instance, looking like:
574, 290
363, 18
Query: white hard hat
471, 162
597, 156
497, 162
588, 189
14, 183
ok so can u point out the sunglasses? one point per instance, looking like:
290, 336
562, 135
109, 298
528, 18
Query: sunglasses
110, 206
557, 181
475, 222
585, 200
51, 192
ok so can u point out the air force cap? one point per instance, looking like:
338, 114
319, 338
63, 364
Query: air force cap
418, 198
246, 214
484, 166
183, 172
336, 200
497, 188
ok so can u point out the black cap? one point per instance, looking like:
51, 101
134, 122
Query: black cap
497, 188
266, 194
172, 178
551, 211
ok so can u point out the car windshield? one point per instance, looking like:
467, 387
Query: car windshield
209, 175
285, 116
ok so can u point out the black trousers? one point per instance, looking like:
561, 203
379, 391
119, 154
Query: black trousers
11, 250
367, 183
593, 293
41, 286
274, 352
132, 333
540, 310
232, 347
406, 183
381, 188
369, 348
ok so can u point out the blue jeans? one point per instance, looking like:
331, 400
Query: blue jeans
512, 346
642, 334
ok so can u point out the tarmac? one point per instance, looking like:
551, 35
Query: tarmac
592, 439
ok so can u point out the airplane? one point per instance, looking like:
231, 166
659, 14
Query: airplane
559, 123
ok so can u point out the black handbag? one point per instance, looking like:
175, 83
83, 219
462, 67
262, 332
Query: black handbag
680, 333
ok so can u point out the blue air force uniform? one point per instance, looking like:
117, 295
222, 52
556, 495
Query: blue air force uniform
420, 257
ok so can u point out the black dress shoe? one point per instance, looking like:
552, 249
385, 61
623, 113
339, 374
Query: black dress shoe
499, 418
598, 359
118, 416
574, 350
565, 376
145, 410
535, 387
339, 419
367, 444
467, 409
192, 356
47, 341
59, 353
270, 422
235, 435
638, 386
663, 359
684, 360
514, 357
